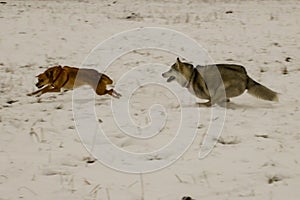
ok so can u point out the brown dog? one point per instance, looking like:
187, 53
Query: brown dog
57, 77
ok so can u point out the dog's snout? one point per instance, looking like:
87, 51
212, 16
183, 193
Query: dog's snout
165, 74
38, 85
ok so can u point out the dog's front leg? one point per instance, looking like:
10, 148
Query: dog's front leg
48, 89
44, 90
34, 93
39, 91
220, 97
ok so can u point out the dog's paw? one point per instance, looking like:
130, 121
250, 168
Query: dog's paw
116, 95
205, 105
187, 198
33, 94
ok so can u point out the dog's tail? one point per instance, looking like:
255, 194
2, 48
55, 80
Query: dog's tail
260, 91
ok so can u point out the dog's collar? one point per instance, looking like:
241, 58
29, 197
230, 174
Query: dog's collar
61, 70
188, 83
66, 81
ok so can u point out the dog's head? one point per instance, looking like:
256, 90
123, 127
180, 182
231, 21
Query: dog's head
180, 71
48, 76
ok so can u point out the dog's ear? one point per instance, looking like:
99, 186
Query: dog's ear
178, 63
38, 75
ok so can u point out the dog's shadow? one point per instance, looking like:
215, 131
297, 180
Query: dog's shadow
237, 106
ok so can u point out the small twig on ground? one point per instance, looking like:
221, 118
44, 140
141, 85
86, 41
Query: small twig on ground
263, 136
179, 179
228, 142
94, 191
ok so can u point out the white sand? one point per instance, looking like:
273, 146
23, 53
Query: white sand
41, 156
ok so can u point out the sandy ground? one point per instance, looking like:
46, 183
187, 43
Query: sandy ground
41, 155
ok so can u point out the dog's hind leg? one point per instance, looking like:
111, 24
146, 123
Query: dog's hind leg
113, 93
118, 95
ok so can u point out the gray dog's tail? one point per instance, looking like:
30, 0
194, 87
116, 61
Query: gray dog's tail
260, 91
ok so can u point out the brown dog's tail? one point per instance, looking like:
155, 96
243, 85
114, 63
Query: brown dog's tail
260, 91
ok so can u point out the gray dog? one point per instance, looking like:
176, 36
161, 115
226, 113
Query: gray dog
206, 83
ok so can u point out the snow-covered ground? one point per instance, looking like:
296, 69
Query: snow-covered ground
42, 156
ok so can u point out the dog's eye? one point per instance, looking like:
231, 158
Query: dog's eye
41, 80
